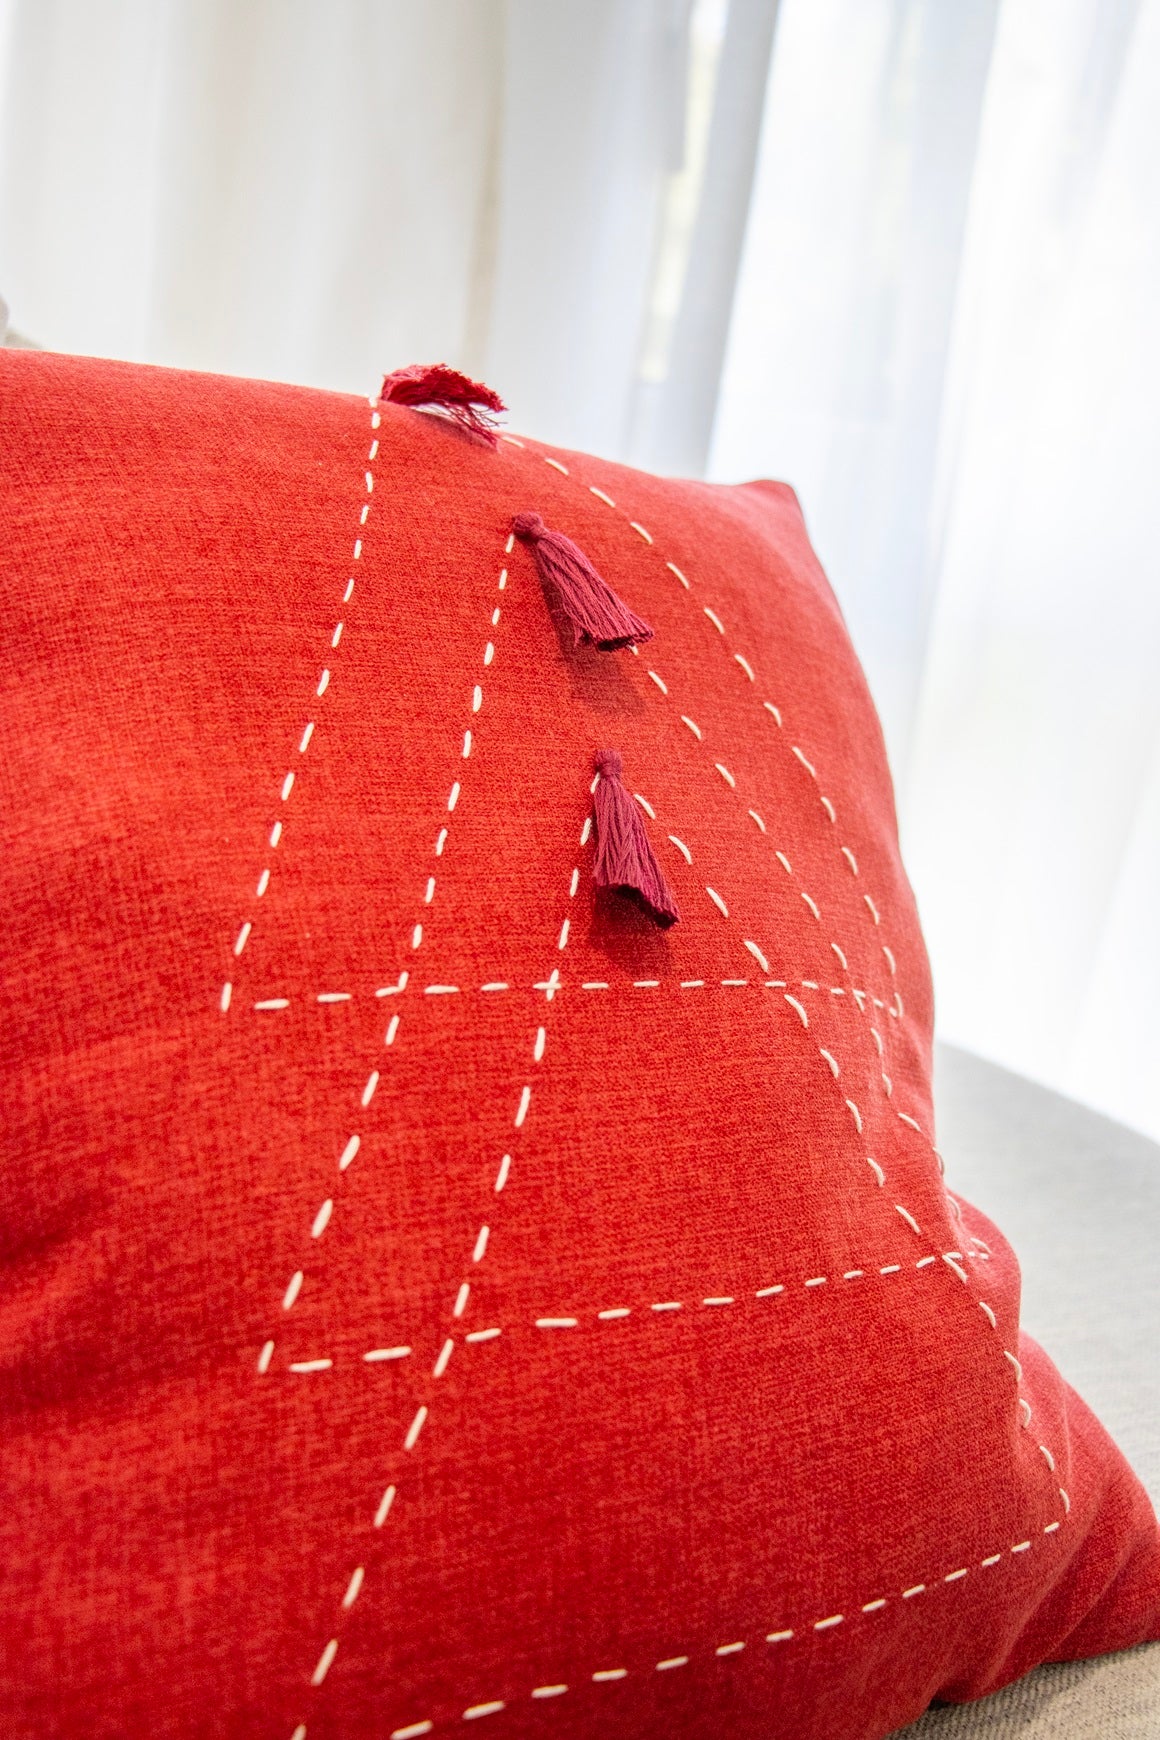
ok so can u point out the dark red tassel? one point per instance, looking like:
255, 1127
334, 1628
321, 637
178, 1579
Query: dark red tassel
468, 403
588, 601
624, 859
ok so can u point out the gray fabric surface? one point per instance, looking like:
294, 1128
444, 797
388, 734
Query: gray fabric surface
1079, 1198
1116, 1697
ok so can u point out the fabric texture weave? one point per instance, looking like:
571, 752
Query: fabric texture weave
430, 1290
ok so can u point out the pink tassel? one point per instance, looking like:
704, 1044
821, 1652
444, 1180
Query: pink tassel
468, 403
588, 601
624, 859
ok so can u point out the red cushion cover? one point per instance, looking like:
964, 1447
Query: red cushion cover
732, 1118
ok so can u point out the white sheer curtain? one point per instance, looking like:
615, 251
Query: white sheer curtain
946, 336
923, 290
317, 192
281, 188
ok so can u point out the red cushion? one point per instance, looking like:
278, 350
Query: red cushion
717, 1414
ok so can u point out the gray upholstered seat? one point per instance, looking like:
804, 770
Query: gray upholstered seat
1079, 1198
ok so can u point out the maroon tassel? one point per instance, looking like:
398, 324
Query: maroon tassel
468, 403
624, 859
588, 601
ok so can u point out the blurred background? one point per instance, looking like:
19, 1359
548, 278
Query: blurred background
904, 254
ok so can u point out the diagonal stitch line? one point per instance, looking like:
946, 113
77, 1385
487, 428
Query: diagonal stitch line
798, 753
896, 1006
323, 1216
745, 665
445, 989
326, 1659
753, 948
323, 684
809, 768
825, 1056
730, 782
549, 987
759, 822
661, 686
953, 1260
762, 1299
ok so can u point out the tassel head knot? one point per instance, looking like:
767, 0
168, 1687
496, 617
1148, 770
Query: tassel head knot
528, 527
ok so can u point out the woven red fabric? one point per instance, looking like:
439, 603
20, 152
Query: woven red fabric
709, 1410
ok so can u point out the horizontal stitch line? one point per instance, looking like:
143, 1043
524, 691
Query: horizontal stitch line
609, 1314
492, 986
603, 1676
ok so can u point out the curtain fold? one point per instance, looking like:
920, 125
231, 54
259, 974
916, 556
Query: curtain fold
842, 327
593, 111
320, 193
1029, 814
945, 336
271, 187
676, 400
